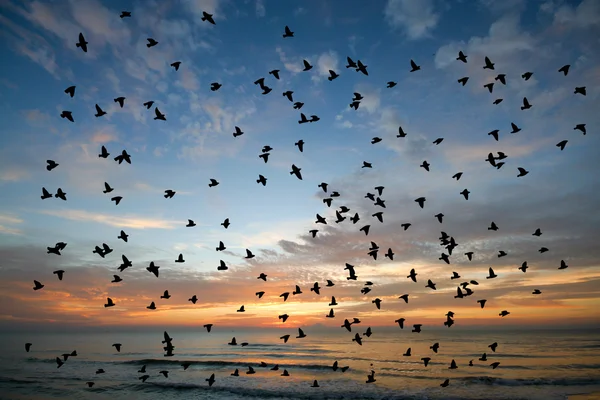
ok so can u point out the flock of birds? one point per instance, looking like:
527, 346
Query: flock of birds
464, 289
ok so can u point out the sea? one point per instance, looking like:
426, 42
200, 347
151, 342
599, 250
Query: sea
534, 364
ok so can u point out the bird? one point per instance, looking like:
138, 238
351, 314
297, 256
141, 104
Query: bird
391, 84
562, 144
68, 115
125, 14
59, 273
287, 32
497, 101
413, 275
522, 172
117, 199
493, 227
159, 116
351, 63
176, 65
70, 90
515, 128
82, 44
361, 68
501, 78
275, 73
213, 182
301, 334
209, 18
494, 134
37, 285
104, 153
117, 346
27, 347
580, 127
414, 67
491, 274
120, 100
215, 86
60, 194
296, 171
526, 104
462, 57
465, 193
300, 144
107, 188
580, 90
45, 194
457, 175
307, 65
151, 42
211, 380
527, 75
489, 86
446, 382
463, 80
421, 201
488, 64
565, 69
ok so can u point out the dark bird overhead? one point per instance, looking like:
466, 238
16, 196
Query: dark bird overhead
527, 75
462, 57
82, 44
307, 65
70, 91
176, 65
565, 69
120, 100
275, 73
151, 42
288, 32
68, 115
580, 90
99, 112
562, 144
414, 67
488, 64
463, 80
125, 14
580, 127
209, 18
51, 165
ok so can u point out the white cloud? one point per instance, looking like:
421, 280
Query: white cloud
505, 38
415, 17
325, 62
260, 8
586, 14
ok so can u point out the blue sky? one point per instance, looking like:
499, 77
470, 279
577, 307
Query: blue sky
196, 142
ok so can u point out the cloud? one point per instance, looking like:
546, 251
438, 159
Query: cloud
124, 221
416, 18
260, 9
505, 39
6, 221
325, 62
585, 15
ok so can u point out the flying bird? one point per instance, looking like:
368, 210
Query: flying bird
82, 44
288, 32
209, 18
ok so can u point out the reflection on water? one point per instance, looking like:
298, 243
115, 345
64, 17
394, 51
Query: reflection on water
532, 364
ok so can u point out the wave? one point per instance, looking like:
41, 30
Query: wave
299, 393
220, 363
488, 380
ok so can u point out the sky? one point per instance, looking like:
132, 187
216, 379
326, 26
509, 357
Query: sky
560, 195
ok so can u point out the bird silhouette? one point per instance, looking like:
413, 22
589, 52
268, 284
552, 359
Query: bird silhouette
151, 42
307, 65
70, 90
287, 32
68, 115
488, 64
176, 65
580, 90
82, 44
565, 69
581, 128
414, 67
209, 18
526, 104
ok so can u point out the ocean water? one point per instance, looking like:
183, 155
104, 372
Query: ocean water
533, 365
